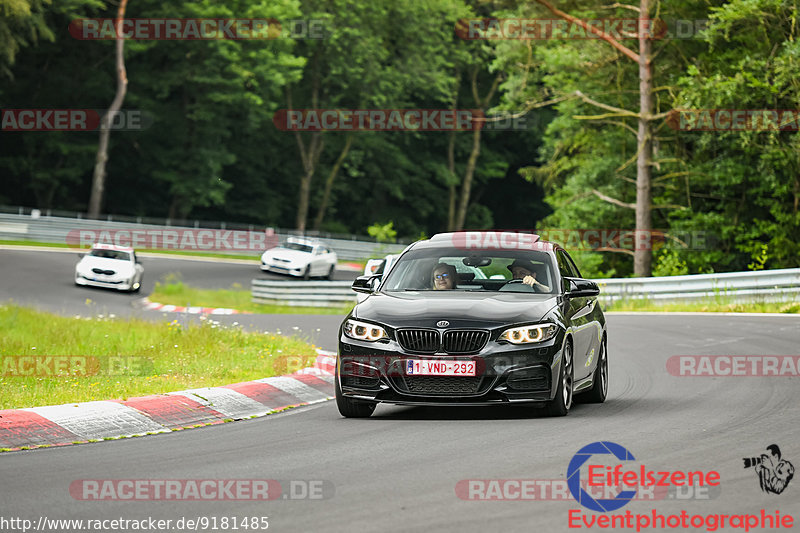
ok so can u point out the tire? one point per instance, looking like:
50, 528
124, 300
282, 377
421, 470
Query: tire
560, 405
307, 273
599, 390
350, 408
329, 277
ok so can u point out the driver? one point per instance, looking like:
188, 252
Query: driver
526, 271
444, 277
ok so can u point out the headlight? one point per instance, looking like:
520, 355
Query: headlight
363, 331
529, 334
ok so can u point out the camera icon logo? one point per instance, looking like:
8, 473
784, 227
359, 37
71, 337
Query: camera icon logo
774, 473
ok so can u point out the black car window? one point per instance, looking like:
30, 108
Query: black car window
477, 271
565, 265
110, 254
572, 265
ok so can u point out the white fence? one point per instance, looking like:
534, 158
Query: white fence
765, 285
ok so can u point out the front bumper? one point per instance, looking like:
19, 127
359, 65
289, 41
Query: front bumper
120, 285
291, 271
505, 374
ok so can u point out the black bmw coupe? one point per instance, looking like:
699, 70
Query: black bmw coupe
474, 318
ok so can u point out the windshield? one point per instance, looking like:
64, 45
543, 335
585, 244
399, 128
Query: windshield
111, 254
299, 247
455, 269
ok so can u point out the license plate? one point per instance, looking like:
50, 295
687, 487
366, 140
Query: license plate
423, 367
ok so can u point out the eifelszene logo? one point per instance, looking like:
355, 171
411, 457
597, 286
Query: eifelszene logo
774, 473
574, 476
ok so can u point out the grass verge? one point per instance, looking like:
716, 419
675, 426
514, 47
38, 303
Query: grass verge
105, 358
716, 304
172, 291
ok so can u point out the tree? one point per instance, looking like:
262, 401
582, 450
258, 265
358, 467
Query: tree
745, 187
373, 58
99, 178
642, 261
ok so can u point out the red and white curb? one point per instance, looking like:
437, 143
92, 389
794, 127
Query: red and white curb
60, 425
145, 303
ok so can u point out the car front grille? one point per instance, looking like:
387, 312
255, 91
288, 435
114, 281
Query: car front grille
101, 271
418, 340
459, 341
442, 384
465, 341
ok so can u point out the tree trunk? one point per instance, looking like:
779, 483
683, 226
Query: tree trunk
329, 182
309, 157
469, 172
99, 178
451, 166
466, 185
643, 254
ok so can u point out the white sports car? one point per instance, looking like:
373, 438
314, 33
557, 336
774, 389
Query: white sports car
300, 257
114, 267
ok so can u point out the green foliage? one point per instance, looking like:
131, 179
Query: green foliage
213, 152
760, 259
669, 263
383, 232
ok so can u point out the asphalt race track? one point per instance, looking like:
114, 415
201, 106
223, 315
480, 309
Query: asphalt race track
45, 280
398, 471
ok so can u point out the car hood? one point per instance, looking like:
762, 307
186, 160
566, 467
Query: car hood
461, 309
118, 266
293, 256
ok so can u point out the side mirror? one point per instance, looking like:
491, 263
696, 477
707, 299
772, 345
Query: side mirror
579, 287
366, 284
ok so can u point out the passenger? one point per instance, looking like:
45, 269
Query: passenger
444, 277
526, 271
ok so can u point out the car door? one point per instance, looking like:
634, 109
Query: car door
323, 260
138, 268
594, 317
578, 311
316, 261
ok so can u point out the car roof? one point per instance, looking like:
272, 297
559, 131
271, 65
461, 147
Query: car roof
303, 240
488, 240
103, 246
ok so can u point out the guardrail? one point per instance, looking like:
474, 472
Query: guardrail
54, 229
303, 293
765, 285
